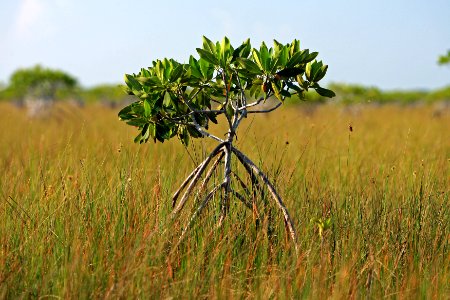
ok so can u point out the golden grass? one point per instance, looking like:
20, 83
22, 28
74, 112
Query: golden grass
85, 211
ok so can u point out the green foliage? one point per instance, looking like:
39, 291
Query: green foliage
178, 99
112, 93
442, 94
444, 59
354, 93
39, 82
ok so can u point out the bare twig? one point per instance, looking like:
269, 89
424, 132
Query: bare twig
252, 104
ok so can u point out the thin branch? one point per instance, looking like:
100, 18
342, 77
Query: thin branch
207, 134
195, 178
252, 104
262, 111
246, 161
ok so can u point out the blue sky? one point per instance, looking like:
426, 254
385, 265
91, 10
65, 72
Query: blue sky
392, 44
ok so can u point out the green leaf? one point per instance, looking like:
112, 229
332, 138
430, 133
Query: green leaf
137, 139
147, 109
194, 67
255, 89
194, 132
295, 47
212, 117
276, 91
206, 68
324, 92
124, 113
176, 73
208, 56
321, 73
295, 60
256, 57
308, 71
183, 135
250, 66
285, 93
243, 51
208, 45
167, 99
132, 82
290, 72
310, 57
265, 57
225, 50
294, 87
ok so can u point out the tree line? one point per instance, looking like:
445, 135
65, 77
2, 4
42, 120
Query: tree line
57, 85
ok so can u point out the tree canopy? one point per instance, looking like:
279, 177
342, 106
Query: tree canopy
39, 82
180, 99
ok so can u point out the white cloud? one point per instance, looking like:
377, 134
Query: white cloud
31, 12
38, 19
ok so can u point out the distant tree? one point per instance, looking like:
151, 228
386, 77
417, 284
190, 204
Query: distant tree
40, 83
180, 100
444, 59
38, 86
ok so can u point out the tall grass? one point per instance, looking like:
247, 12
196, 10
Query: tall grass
85, 212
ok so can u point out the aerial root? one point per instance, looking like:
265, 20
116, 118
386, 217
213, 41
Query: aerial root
198, 212
288, 221
259, 180
193, 180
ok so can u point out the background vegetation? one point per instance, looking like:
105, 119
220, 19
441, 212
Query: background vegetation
113, 95
84, 211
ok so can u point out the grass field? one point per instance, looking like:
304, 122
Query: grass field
85, 212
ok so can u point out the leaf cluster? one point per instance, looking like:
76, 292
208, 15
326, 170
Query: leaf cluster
177, 99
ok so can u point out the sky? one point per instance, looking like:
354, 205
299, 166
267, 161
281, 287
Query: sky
390, 44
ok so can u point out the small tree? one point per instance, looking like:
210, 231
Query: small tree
181, 100
38, 86
444, 59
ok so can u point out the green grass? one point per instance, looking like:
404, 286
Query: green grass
85, 212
